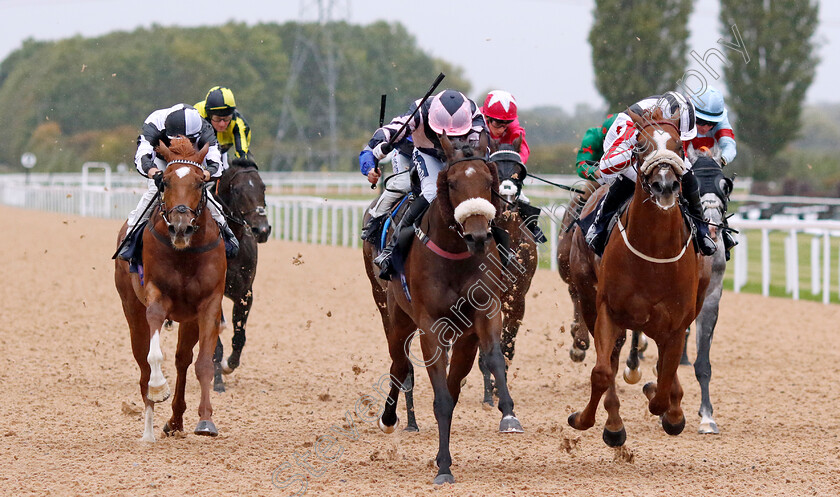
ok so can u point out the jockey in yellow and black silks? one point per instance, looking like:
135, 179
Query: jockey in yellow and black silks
232, 130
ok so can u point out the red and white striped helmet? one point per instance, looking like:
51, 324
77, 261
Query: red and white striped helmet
500, 105
450, 112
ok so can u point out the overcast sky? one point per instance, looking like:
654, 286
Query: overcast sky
536, 49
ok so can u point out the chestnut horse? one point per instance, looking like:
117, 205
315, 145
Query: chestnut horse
183, 279
451, 296
241, 192
512, 174
650, 278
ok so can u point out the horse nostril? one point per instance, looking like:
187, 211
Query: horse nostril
189, 230
255, 231
172, 230
469, 238
675, 186
656, 188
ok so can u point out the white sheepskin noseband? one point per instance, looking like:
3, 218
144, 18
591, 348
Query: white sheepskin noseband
473, 207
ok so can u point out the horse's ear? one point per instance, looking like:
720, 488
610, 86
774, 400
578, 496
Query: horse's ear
203, 152
517, 143
483, 140
448, 149
494, 145
163, 151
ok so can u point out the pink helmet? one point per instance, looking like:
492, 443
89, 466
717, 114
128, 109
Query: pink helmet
500, 105
450, 112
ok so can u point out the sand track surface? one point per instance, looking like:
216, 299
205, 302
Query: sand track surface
70, 419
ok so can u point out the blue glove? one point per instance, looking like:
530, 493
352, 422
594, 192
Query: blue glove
366, 161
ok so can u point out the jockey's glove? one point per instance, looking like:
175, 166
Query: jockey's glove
158, 179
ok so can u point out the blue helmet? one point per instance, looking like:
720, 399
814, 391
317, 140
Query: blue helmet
709, 106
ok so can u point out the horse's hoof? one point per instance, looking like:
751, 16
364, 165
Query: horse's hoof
168, 431
510, 424
643, 343
206, 427
708, 428
632, 376
572, 419
388, 429
576, 354
444, 478
413, 428
218, 385
615, 438
226, 369
649, 389
487, 404
158, 394
673, 429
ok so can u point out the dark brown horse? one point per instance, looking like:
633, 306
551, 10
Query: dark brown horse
451, 299
512, 173
650, 279
241, 192
578, 331
183, 279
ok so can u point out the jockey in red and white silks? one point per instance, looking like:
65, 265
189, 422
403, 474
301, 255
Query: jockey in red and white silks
622, 136
617, 169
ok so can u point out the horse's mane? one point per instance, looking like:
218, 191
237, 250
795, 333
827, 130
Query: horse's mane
447, 211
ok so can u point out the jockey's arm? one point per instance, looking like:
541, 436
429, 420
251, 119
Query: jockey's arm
590, 152
621, 138
728, 148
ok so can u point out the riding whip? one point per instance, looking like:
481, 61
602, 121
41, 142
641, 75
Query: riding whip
411, 116
381, 123
128, 235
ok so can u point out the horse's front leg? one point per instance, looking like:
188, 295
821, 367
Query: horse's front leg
666, 394
705, 331
489, 336
614, 432
602, 377
434, 356
138, 328
158, 390
187, 338
241, 310
209, 318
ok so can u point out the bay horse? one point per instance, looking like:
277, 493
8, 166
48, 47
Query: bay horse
650, 278
241, 192
512, 173
578, 329
183, 279
450, 296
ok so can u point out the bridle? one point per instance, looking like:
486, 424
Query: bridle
181, 208
516, 158
659, 158
229, 213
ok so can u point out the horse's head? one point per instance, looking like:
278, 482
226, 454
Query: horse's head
465, 191
246, 194
182, 197
660, 157
715, 189
512, 171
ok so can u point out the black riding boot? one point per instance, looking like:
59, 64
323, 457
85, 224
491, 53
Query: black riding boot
371, 229
729, 241
621, 190
691, 194
383, 260
231, 243
530, 215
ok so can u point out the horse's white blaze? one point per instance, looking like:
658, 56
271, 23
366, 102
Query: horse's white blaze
182, 171
474, 207
149, 425
470, 171
155, 359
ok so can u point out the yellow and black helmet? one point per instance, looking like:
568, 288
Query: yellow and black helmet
219, 101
